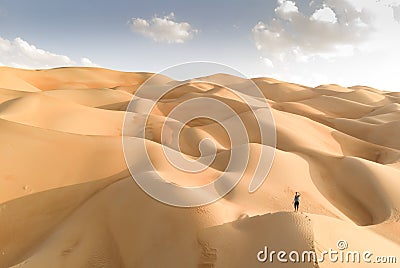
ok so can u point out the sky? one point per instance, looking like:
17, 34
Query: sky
346, 42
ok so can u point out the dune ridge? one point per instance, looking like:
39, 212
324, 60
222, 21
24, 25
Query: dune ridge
67, 198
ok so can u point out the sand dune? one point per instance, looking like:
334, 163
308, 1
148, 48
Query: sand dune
67, 198
51, 113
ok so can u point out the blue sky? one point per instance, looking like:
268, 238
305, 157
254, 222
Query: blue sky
308, 42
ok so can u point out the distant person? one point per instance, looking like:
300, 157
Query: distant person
296, 201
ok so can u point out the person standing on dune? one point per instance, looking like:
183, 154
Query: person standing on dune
296, 201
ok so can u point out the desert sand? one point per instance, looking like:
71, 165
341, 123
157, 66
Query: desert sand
67, 198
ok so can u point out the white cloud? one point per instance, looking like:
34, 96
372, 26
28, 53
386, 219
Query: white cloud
286, 9
328, 31
163, 29
88, 63
396, 13
325, 14
360, 46
267, 62
19, 53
